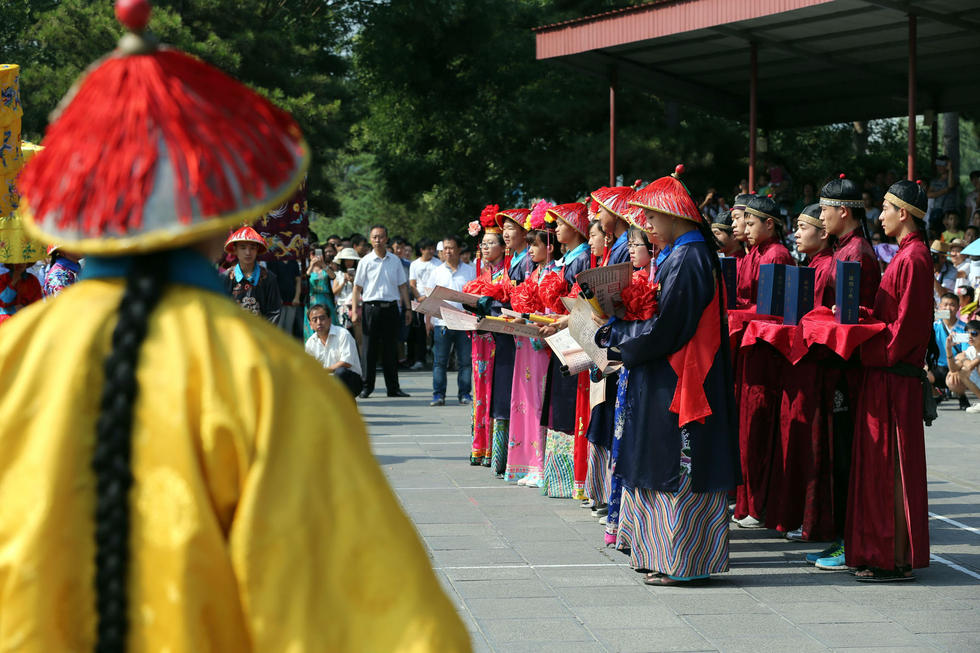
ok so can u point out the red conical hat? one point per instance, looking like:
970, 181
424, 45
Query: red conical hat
246, 235
636, 217
154, 149
574, 214
614, 199
517, 215
668, 195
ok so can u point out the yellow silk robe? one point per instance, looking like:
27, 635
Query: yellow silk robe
260, 519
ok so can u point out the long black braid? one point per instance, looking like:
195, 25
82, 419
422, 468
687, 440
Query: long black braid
111, 458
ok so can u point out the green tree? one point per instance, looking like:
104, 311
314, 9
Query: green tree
291, 52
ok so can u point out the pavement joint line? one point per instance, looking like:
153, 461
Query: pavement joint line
462, 487
975, 531
530, 566
953, 565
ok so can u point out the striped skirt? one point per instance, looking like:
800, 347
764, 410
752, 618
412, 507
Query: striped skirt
499, 437
681, 533
627, 522
559, 465
596, 478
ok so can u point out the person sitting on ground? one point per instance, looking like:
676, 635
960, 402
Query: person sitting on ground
62, 272
946, 323
335, 348
964, 368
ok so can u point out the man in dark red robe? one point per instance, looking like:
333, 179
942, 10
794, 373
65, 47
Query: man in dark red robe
887, 530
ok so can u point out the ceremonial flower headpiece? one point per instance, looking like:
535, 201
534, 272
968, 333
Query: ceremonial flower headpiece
488, 218
154, 149
246, 235
518, 216
615, 199
841, 192
574, 214
668, 195
538, 218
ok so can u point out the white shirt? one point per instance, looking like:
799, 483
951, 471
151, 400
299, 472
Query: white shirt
421, 273
340, 346
445, 277
379, 278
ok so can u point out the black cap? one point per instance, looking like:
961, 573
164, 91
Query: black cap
764, 207
908, 195
841, 192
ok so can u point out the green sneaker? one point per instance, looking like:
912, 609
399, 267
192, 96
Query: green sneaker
836, 548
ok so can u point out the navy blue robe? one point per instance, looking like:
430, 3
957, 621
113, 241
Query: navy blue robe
504, 351
651, 446
601, 421
558, 406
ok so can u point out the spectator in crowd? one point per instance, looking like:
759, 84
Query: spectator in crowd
954, 231
321, 279
809, 197
360, 244
945, 324
941, 193
964, 368
971, 197
334, 347
453, 274
712, 205
248, 283
960, 262
400, 248
420, 286
944, 271
18, 288
975, 219
465, 255
290, 277
381, 282
968, 304
343, 290
334, 240
971, 233
872, 207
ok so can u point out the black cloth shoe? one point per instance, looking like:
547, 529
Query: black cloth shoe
364, 394
399, 393
964, 402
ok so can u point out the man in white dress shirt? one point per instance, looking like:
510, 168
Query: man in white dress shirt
380, 282
451, 274
335, 348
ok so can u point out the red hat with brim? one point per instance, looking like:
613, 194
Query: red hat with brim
668, 195
246, 235
614, 199
637, 218
574, 214
517, 215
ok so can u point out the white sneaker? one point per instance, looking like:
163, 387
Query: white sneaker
795, 535
604, 520
416, 366
975, 408
522, 481
749, 522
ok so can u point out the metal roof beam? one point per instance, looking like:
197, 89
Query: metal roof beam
953, 20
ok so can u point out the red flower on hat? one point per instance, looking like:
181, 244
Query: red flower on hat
488, 216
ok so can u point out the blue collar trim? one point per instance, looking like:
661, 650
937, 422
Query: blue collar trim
252, 278
516, 259
572, 255
684, 239
184, 266
623, 237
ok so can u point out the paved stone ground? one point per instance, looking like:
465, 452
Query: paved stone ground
529, 573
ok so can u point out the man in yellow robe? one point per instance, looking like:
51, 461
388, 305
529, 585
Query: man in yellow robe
251, 513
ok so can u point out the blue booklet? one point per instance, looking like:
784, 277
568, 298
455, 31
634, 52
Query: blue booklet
772, 287
848, 292
799, 293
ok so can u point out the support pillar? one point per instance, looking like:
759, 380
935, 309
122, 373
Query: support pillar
612, 125
753, 111
912, 80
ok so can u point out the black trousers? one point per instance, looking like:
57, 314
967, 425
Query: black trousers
417, 339
381, 324
351, 379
